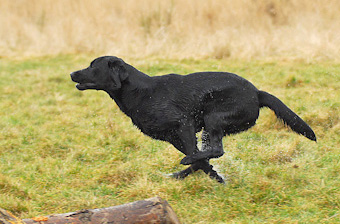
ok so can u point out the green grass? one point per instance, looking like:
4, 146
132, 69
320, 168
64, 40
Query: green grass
63, 150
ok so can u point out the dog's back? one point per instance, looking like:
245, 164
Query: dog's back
198, 94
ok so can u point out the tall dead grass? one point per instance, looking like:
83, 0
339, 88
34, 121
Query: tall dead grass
175, 28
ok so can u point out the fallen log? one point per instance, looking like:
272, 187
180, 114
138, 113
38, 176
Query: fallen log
8, 218
152, 210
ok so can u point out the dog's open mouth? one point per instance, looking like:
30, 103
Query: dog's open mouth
84, 86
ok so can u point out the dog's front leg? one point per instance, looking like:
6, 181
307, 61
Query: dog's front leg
185, 141
212, 146
199, 165
186, 172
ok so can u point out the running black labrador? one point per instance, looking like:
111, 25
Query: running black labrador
174, 108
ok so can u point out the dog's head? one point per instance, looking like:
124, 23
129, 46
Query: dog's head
104, 73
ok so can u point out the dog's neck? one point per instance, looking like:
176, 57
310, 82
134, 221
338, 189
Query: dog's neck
133, 90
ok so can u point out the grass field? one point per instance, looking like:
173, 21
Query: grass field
64, 150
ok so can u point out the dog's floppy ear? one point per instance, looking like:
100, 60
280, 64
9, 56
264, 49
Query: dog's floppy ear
118, 72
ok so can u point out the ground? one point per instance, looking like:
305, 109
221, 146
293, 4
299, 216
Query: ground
63, 150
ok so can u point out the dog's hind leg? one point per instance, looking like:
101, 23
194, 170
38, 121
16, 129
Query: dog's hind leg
205, 141
207, 168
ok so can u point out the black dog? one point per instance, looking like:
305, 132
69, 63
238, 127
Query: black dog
174, 108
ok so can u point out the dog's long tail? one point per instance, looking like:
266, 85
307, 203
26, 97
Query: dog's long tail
286, 114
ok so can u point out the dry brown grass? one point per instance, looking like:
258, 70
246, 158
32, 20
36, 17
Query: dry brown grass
177, 28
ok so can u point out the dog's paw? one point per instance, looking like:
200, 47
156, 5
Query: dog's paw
187, 160
176, 175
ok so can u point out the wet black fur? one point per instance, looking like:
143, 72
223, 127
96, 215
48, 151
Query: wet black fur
174, 108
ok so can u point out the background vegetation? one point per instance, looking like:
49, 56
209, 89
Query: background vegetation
173, 28
63, 150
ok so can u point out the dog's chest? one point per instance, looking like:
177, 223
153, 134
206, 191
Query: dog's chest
153, 119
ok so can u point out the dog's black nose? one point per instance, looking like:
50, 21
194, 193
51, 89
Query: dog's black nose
73, 75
